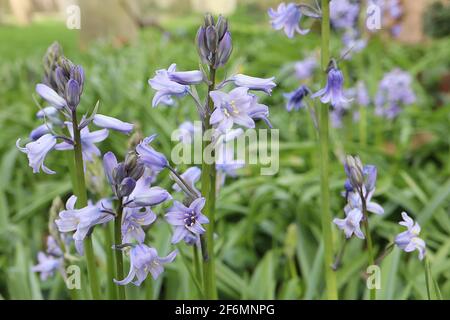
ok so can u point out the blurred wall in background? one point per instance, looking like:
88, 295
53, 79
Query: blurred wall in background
121, 19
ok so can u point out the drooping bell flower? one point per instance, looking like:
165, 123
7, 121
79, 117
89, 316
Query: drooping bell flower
134, 219
333, 92
287, 17
145, 260
37, 151
106, 122
149, 156
409, 240
351, 224
295, 99
253, 83
81, 220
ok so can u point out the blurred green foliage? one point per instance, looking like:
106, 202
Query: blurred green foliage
269, 243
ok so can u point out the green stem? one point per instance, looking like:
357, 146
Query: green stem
208, 179
119, 256
197, 267
373, 291
110, 270
81, 194
330, 276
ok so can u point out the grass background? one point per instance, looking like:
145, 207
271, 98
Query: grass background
269, 239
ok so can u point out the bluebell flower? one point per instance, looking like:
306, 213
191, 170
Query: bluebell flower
144, 195
333, 92
112, 123
133, 221
37, 151
149, 156
166, 87
258, 111
394, 91
47, 265
50, 96
296, 97
305, 68
88, 141
355, 202
254, 83
409, 240
351, 224
287, 17
343, 13
185, 77
81, 220
145, 260
40, 131
50, 261
191, 176
187, 219
231, 108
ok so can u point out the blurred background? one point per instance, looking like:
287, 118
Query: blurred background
269, 243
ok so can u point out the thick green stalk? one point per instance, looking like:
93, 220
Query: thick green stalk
208, 179
330, 276
81, 193
110, 270
197, 267
373, 291
119, 256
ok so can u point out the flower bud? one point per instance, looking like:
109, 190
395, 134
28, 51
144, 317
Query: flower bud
214, 41
73, 93
119, 173
370, 177
211, 38
224, 51
60, 80
209, 20
131, 160
222, 27
77, 73
137, 171
354, 171
126, 187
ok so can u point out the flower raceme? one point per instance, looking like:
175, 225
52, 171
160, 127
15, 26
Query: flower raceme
62, 89
359, 189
